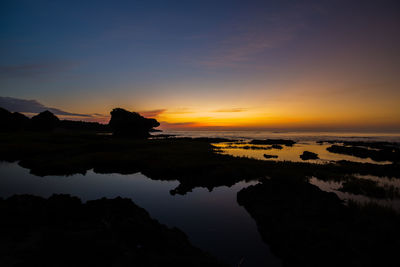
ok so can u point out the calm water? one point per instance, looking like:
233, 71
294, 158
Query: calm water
296, 136
306, 141
212, 220
333, 186
292, 153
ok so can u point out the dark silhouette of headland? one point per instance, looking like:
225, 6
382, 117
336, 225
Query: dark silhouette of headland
123, 123
12, 121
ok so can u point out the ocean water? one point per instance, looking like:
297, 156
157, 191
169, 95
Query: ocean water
305, 141
293, 135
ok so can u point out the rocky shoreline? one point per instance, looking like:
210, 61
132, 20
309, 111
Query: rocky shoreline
63, 231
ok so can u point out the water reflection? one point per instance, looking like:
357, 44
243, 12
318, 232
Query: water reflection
212, 220
333, 186
292, 135
288, 153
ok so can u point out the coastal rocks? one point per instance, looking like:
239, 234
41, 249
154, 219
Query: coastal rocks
309, 155
384, 152
131, 124
12, 121
44, 121
305, 226
62, 231
270, 156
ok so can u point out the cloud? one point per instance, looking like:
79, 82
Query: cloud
152, 113
33, 106
178, 125
180, 111
157, 112
231, 110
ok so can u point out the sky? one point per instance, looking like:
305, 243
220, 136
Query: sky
207, 64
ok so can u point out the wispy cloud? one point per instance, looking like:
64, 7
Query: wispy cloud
178, 125
33, 106
231, 110
152, 113
180, 111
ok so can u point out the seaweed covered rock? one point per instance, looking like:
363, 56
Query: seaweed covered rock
44, 121
62, 231
131, 124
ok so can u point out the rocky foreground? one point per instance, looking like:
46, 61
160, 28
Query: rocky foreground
63, 231
305, 226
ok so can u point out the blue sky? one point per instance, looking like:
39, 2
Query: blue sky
268, 58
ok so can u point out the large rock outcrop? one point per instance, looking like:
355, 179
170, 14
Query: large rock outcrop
12, 121
45, 121
131, 124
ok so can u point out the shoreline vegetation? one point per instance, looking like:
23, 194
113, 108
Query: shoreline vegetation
304, 225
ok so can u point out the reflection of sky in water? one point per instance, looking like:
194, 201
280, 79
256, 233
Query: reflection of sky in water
292, 153
212, 220
292, 135
332, 186
381, 180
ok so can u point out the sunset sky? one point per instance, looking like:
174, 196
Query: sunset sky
208, 64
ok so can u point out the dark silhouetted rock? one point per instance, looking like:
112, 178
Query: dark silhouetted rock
309, 155
273, 142
84, 126
44, 121
5, 119
270, 156
12, 121
379, 151
131, 124
63, 231
305, 226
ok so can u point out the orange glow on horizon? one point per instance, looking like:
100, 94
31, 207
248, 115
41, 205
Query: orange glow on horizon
304, 105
